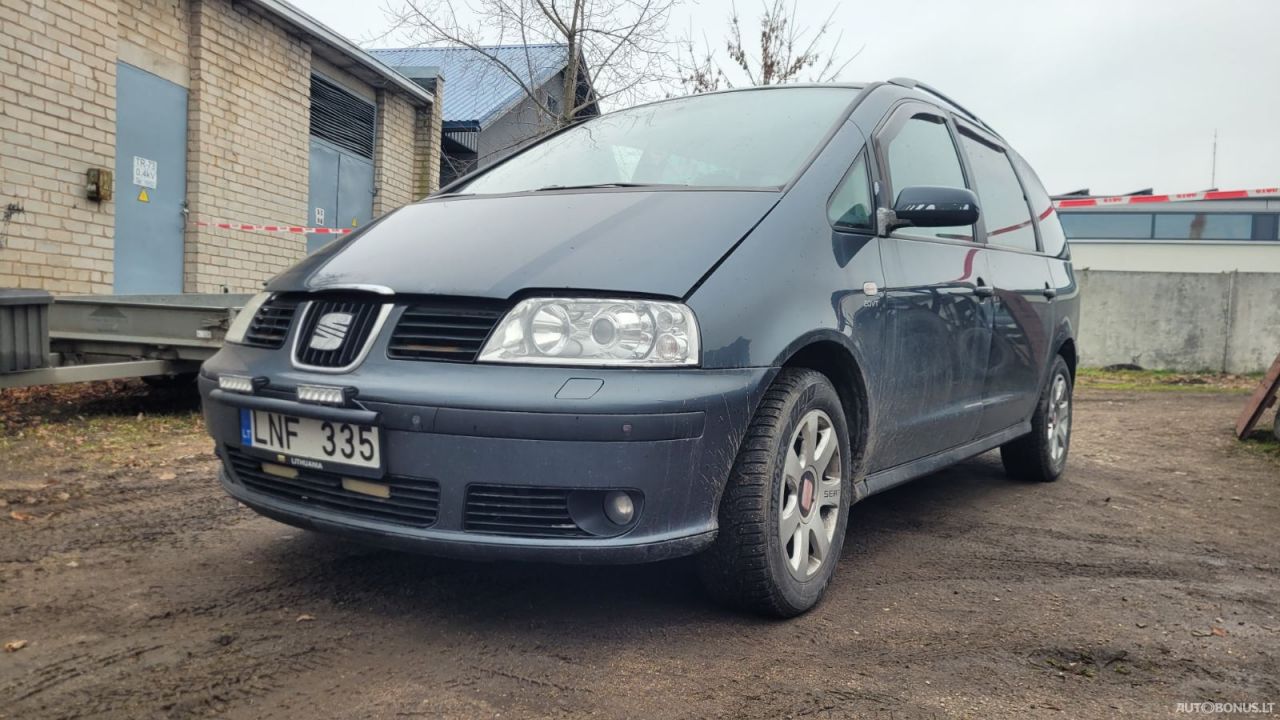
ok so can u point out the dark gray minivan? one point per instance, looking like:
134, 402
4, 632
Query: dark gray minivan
705, 325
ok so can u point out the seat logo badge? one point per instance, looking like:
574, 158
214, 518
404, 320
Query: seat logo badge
331, 331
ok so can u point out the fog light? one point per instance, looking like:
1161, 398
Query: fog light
322, 395
618, 507
236, 384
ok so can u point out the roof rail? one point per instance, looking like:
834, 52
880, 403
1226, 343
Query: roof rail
913, 84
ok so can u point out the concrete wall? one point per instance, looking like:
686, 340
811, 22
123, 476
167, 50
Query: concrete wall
247, 77
1180, 321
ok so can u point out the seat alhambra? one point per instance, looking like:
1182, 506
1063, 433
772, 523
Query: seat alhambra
706, 325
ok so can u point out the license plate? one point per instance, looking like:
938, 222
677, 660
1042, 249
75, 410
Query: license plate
306, 439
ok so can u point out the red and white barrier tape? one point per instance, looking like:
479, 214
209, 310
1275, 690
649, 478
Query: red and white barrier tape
1064, 203
1175, 197
276, 228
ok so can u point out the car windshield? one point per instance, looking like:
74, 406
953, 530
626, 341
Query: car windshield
750, 139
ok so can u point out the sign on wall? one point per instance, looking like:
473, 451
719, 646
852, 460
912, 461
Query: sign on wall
144, 172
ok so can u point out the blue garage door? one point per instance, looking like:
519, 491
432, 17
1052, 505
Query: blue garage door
341, 170
151, 182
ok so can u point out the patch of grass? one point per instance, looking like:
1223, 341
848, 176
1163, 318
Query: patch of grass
1262, 441
117, 421
1165, 380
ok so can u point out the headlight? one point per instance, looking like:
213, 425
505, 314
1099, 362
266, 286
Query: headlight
591, 331
240, 325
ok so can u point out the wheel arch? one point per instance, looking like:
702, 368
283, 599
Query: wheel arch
832, 357
1067, 349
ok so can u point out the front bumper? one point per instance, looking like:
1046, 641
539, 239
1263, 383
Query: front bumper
668, 436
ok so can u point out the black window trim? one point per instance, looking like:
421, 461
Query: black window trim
902, 112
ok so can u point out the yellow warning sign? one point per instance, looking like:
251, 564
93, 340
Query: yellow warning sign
143, 196
353, 222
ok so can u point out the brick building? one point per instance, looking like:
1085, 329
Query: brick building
246, 111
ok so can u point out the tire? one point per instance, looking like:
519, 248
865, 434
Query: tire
775, 477
1041, 456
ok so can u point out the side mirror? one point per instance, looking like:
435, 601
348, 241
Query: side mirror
928, 206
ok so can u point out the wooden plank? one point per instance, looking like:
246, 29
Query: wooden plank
1261, 399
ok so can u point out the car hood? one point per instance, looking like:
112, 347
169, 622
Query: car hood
626, 241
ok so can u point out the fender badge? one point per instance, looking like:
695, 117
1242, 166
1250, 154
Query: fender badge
869, 288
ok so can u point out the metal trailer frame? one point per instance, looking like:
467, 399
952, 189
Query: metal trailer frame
105, 337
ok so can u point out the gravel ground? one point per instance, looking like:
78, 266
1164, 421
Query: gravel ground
1149, 576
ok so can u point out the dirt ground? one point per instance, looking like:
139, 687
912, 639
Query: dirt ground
1149, 576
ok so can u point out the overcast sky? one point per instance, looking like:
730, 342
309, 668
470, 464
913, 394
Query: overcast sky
1113, 95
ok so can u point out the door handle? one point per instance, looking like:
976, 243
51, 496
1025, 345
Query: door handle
1049, 292
983, 290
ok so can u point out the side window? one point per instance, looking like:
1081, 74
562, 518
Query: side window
850, 207
1204, 226
1051, 234
1004, 207
921, 153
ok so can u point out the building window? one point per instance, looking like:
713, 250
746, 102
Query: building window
1193, 226
1264, 227
1203, 226
1106, 226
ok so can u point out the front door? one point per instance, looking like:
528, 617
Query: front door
937, 329
151, 182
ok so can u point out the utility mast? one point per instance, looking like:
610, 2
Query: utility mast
1213, 168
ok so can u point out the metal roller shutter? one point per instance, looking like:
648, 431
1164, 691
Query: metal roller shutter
341, 118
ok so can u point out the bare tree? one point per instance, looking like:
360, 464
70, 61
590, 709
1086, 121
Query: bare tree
619, 49
787, 52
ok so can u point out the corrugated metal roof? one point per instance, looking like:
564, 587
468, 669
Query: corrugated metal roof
478, 90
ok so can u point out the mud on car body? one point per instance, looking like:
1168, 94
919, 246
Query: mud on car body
702, 326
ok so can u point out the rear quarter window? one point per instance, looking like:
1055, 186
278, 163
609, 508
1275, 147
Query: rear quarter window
1052, 236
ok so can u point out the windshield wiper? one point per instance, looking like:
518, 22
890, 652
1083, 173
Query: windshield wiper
589, 186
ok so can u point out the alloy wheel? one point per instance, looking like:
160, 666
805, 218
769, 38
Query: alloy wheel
1058, 427
809, 500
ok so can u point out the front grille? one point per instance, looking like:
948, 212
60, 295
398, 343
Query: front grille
451, 330
271, 323
345, 320
413, 502
522, 511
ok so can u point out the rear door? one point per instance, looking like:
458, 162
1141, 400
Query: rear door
1022, 310
936, 326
